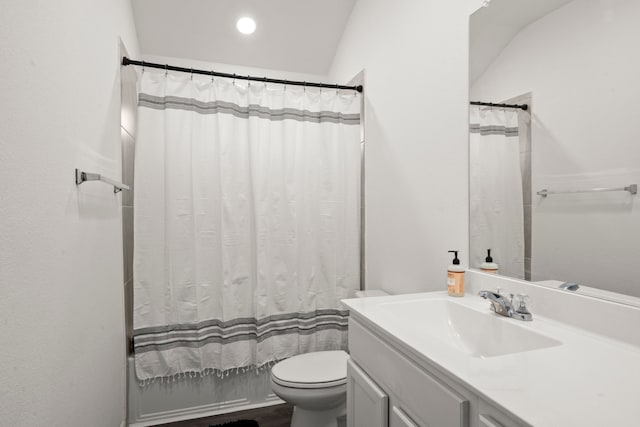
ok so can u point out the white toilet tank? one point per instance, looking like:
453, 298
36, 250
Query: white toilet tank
371, 293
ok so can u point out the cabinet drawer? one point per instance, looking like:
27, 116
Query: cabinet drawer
430, 401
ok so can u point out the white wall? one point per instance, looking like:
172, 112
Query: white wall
416, 130
62, 357
581, 65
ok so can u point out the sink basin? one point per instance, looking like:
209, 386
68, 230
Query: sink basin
471, 331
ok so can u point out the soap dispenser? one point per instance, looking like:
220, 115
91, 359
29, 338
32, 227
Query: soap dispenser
488, 266
455, 277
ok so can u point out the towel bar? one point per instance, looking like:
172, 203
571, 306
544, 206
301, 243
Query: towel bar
633, 189
82, 176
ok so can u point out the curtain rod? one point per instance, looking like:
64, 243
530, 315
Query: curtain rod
524, 107
126, 61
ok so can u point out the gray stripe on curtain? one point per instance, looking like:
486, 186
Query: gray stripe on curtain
252, 110
186, 334
243, 335
493, 130
216, 331
240, 320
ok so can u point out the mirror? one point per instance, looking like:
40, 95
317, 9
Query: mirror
533, 173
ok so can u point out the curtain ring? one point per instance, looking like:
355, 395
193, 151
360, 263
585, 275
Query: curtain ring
234, 79
304, 86
166, 70
265, 82
192, 74
248, 80
211, 76
337, 89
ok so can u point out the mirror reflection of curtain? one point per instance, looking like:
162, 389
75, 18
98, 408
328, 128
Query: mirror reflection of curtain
496, 200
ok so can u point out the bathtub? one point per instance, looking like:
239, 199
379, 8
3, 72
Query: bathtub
163, 402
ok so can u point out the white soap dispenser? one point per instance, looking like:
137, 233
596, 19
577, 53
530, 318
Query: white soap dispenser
488, 266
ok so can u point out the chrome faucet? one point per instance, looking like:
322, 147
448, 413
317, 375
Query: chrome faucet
505, 307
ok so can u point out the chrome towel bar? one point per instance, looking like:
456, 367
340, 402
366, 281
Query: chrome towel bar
82, 176
633, 189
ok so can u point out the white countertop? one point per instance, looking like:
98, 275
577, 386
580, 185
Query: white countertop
588, 380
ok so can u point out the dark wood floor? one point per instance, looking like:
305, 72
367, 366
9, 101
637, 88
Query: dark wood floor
270, 416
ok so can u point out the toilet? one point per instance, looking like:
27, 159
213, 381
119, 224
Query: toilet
315, 383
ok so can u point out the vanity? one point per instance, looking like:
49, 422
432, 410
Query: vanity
433, 360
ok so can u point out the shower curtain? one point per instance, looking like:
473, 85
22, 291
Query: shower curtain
495, 189
246, 224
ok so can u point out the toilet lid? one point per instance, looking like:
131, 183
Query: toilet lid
312, 370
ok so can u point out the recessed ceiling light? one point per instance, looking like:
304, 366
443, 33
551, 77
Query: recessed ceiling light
246, 25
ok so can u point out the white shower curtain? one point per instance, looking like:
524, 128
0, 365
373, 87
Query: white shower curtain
246, 224
495, 188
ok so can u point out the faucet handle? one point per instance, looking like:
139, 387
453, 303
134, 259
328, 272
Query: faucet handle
519, 303
499, 290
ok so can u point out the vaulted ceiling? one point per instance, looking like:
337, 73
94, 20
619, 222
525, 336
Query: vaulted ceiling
492, 28
291, 35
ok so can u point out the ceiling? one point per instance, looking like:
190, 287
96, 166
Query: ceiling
291, 35
492, 28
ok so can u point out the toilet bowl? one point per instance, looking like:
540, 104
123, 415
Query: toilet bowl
316, 384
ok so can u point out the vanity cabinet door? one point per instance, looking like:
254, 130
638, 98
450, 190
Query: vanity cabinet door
367, 404
398, 418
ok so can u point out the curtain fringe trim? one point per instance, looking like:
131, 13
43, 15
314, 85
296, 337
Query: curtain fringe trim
208, 372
